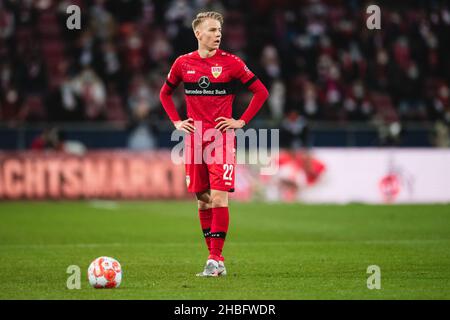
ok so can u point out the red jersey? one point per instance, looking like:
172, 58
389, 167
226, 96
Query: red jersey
209, 84
209, 87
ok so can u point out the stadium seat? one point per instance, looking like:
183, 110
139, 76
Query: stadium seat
33, 109
384, 107
115, 110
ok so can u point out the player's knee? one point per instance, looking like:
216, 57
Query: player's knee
218, 201
203, 205
203, 196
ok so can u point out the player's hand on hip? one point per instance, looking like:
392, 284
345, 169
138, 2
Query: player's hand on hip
185, 125
229, 123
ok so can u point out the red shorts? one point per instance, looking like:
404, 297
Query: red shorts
210, 162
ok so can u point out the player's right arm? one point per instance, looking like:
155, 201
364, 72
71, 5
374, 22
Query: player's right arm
165, 95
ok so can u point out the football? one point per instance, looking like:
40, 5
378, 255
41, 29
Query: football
105, 272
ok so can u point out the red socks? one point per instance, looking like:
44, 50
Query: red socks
205, 222
219, 229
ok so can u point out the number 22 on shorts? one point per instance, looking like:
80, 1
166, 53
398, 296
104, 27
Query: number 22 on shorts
228, 174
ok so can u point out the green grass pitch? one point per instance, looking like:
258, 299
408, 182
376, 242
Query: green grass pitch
273, 251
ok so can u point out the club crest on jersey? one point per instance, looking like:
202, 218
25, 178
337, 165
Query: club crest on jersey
216, 71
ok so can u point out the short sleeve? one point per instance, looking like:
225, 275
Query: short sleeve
243, 73
175, 75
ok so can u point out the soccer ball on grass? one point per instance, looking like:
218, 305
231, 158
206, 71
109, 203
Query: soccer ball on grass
105, 272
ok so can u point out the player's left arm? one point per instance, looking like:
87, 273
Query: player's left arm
260, 94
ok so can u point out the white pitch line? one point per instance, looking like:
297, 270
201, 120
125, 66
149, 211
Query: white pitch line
101, 204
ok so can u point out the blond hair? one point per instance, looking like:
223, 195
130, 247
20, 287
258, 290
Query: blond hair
202, 16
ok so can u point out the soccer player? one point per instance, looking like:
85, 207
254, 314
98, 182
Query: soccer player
208, 75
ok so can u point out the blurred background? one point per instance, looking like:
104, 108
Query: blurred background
333, 83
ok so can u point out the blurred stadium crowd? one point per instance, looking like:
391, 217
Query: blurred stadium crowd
317, 58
